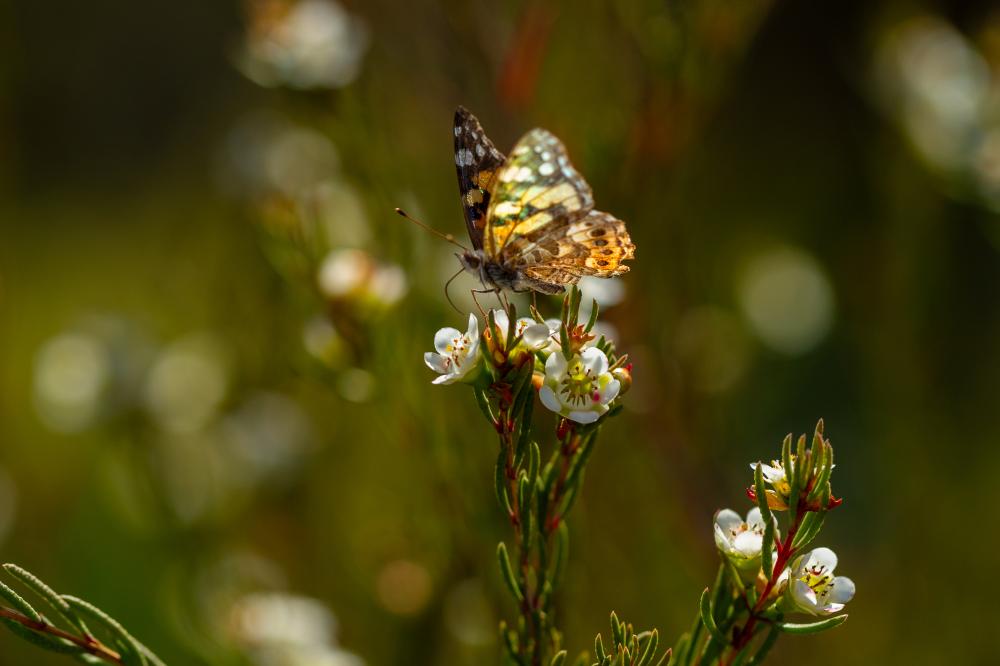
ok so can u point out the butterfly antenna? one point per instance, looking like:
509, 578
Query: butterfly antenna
447, 295
425, 227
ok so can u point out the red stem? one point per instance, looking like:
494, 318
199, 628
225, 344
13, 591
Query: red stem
88, 644
785, 552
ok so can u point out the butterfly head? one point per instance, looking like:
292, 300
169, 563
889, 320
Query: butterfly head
474, 261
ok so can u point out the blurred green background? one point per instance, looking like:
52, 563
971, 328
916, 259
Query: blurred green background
214, 418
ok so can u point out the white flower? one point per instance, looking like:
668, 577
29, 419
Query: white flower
740, 540
457, 353
813, 588
581, 388
774, 474
534, 335
313, 44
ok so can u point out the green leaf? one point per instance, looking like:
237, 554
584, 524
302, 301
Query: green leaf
43, 641
507, 572
593, 316
767, 566
706, 618
132, 654
812, 627
559, 659
534, 461
599, 648
652, 643
811, 525
46, 593
500, 481
561, 554
484, 405
18, 602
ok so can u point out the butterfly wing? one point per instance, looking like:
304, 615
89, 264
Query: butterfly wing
477, 162
541, 221
594, 245
536, 189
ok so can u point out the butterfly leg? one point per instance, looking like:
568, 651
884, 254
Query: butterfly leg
476, 300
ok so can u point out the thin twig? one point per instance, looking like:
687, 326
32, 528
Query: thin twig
88, 644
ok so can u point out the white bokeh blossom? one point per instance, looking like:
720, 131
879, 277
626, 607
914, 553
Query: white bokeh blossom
812, 587
457, 353
580, 389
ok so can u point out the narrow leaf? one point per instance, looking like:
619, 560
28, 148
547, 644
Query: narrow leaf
812, 627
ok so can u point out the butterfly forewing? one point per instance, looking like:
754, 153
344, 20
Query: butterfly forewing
535, 190
477, 162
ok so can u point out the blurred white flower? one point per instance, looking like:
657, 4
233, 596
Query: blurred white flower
72, 372
264, 618
469, 615
356, 385
303, 44
187, 384
937, 85
812, 587
787, 299
268, 434
349, 274
579, 389
608, 292
457, 353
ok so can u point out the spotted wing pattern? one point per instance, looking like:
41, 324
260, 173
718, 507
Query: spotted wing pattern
477, 162
535, 192
595, 245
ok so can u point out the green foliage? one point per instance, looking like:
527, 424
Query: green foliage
109, 642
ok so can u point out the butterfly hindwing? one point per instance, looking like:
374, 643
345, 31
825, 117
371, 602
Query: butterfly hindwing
595, 245
535, 190
477, 162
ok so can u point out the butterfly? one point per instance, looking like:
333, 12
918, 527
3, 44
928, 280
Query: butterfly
530, 215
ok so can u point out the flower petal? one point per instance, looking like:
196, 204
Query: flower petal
536, 335
804, 597
437, 363
583, 417
842, 590
444, 338
502, 321
445, 379
549, 399
748, 544
728, 520
555, 367
822, 557
754, 519
594, 360
722, 540
610, 391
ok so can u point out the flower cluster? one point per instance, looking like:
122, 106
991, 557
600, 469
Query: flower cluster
577, 375
767, 571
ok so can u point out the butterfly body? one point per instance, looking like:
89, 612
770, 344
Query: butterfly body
531, 216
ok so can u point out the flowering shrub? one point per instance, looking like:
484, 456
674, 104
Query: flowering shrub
765, 574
